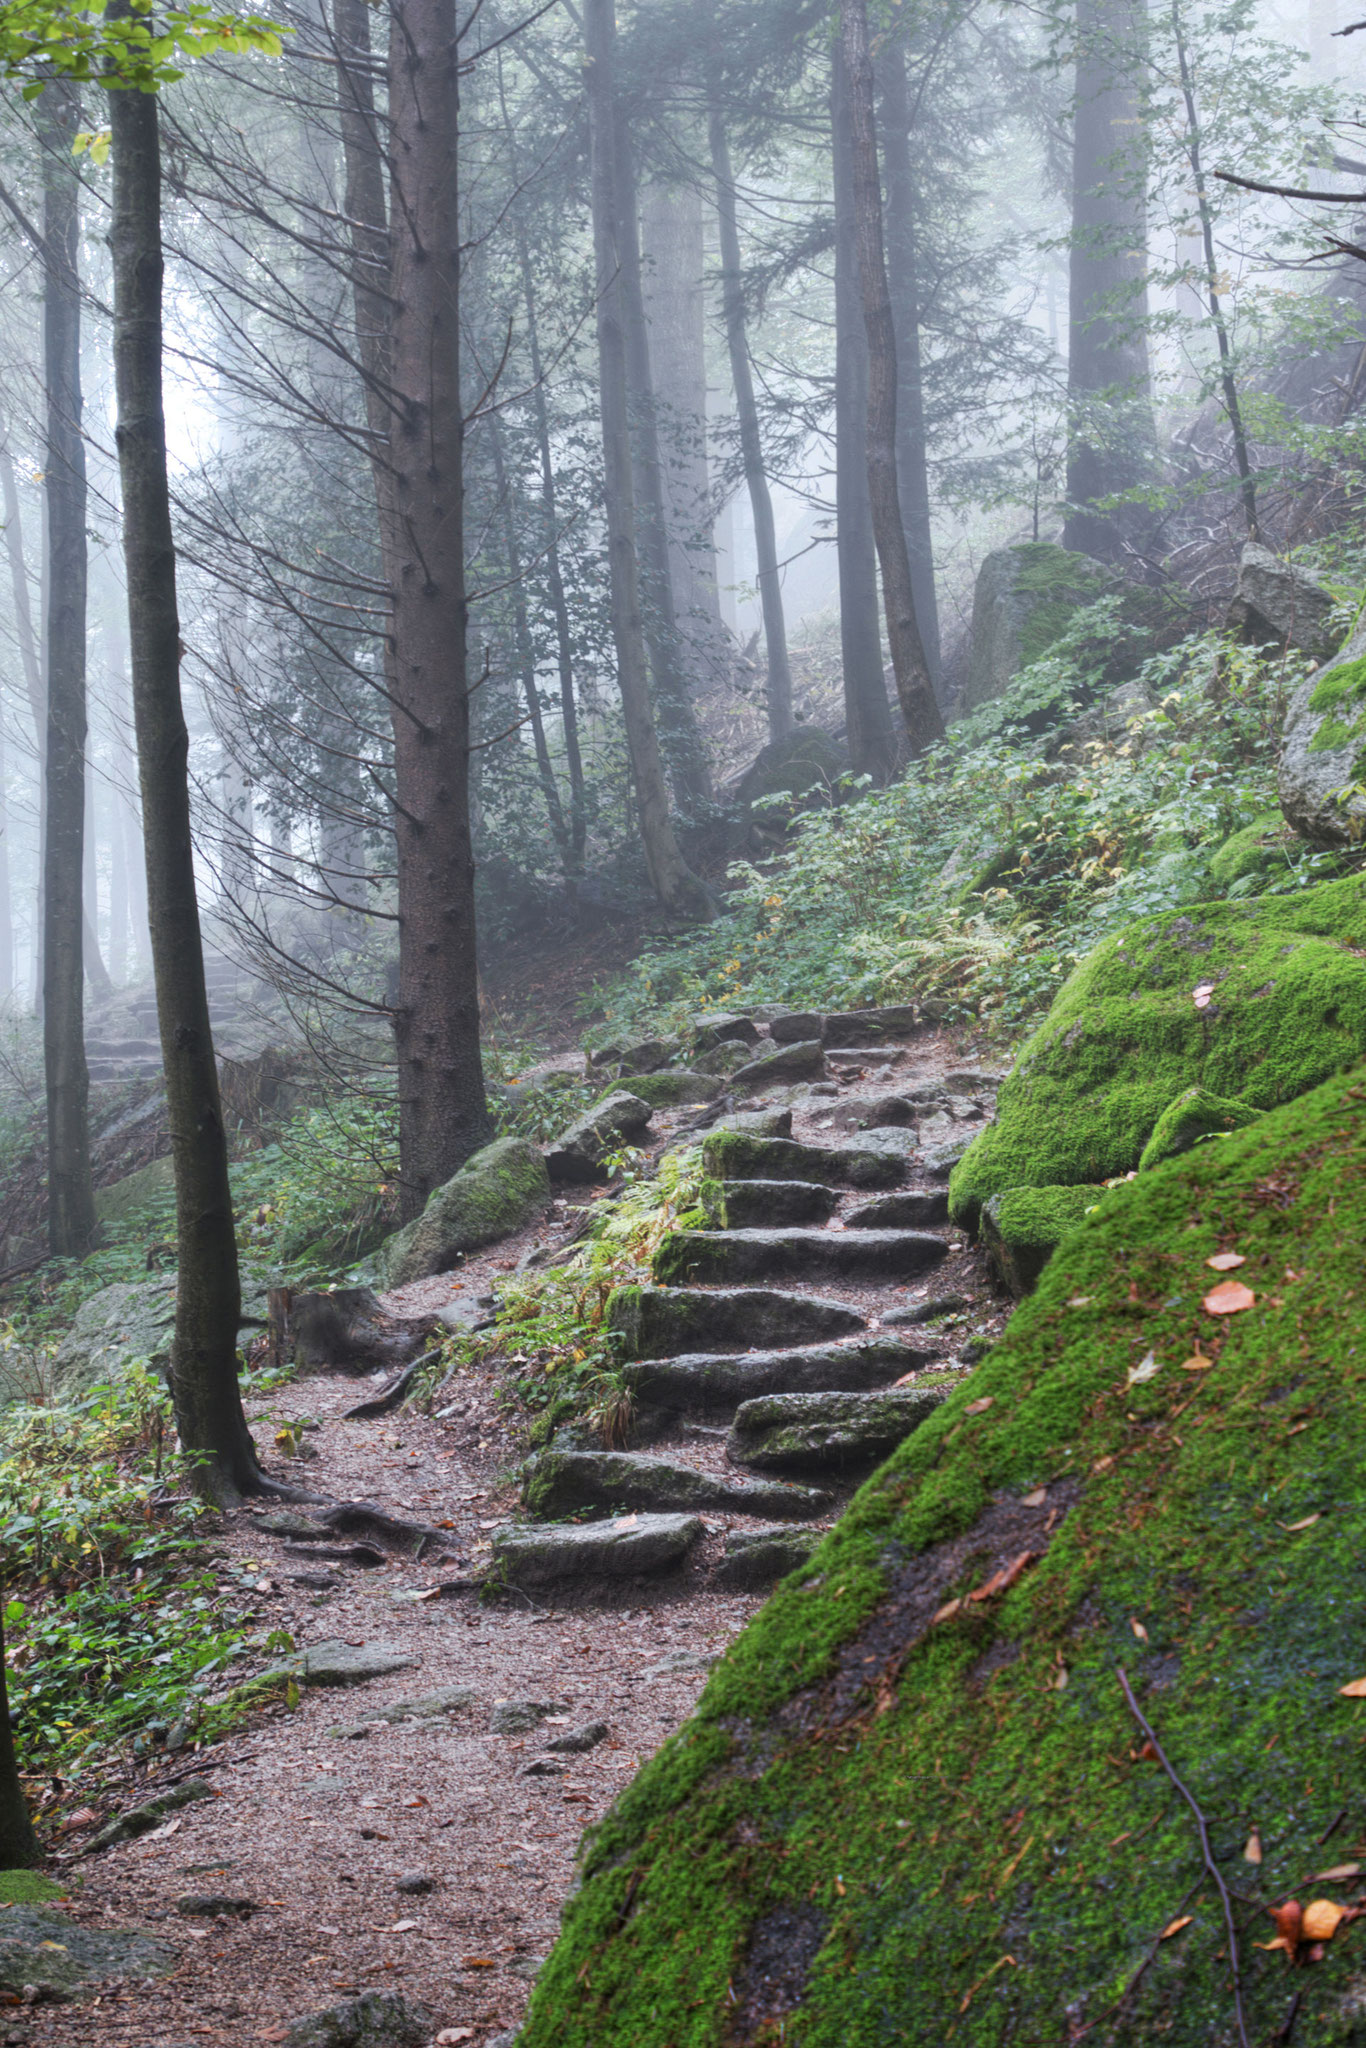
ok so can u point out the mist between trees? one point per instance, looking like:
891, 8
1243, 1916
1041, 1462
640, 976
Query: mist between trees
559, 408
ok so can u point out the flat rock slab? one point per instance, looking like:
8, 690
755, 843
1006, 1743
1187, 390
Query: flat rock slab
804, 1061
519, 1717
335, 1663
431, 1706
916, 1313
871, 1027
577, 1154
541, 1553
43, 1948
909, 1209
756, 1559
737, 1155
795, 1026
827, 1432
140, 1820
566, 1482
941, 1159
682, 1663
656, 1322
716, 1027
377, 2019
740, 1255
701, 1381
743, 1204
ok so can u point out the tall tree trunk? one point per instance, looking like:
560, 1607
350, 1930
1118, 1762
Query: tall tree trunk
96, 973
914, 689
675, 707
33, 676
868, 718
71, 1196
19, 1848
526, 653
779, 693
6, 904
677, 888
912, 465
443, 1114
208, 1404
1111, 435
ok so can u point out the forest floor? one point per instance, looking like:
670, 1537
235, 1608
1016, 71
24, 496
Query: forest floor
319, 1813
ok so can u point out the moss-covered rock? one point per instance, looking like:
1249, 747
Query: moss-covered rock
1322, 769
1195, 1114
495, 1192
1247, 858
904, 1814
667, 1089
1023, 602
1023, 1227
120, 1199
1261, 999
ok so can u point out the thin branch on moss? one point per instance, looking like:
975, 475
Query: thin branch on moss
1127, 1993
1206, 1852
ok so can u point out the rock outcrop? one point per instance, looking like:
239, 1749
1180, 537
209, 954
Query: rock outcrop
1023, 601
1279, 605
497, 1191
1321, 776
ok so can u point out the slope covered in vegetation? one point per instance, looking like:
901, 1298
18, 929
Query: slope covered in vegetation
913, 1803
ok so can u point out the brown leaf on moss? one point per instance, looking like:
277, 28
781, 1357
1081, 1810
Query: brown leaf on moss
1224, 1262
1322, 1919
1253, 1852
1355, 1691
1229, 1298
980, 1407
1175, 1926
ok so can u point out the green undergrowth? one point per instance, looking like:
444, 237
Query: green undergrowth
888, 1823
1257, 1000
978, 881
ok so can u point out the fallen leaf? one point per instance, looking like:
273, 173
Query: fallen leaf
979, 1407
1197, 1362
274, 2034
168, 1827
627, 1521
1253, 1852
947, 1613
78, 1820
1102, 1464
1080, 1300
1355, 1691
1339, 1874
1228, 1298
1139, 1630
1146, 1369
1289, 1919
477, 1963
448, 2036
1224, 1262
196, 1933
1321, 1918
1003, 1580
1306, 1522
401, 1927
417, 1801
1174, 1926
327, 1930
1035, 1499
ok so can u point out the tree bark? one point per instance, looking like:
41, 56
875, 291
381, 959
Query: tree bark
208, 1405
19, 1848
443, 1114
914, 689
677, 888
1111, 434
912, 464
71, 1196
28, 656
868, 719
525, 651
779, 691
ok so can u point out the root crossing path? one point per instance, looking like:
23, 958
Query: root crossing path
412, 1824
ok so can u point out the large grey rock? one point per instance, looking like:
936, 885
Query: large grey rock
724, 1059
566, 1482
792, 1027
1024, 598
804, 765
706, 1257
674, 1085
804, 1061
746, 1204
656, 1322
885, 1027
1023, 1227
740, 1155
913, 1209
119, 1199
703, 1381
377, 2019
338, 1663
1323, 752
519, 1717
540, 1554
141, 1819
719, 1027
756, 1559
495, 1193
59, 1956
131, 1319
577, 1154
827, 1432
1278, 604
757, 1123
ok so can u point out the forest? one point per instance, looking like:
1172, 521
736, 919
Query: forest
682, 1016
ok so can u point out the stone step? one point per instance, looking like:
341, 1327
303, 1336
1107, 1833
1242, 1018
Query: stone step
123, 1049
756, 1559
742, 1204
842, 1057
566, 1482
736, 1155
828, 1432
803, 1061
870, 1027
703, 1382
736, 1256
660, 1322
909, 1209
542, 1553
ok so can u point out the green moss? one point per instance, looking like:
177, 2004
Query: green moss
1332, 735
28, 1888
1254, 851
1345, 684
665, 1090
913, 1831
1023, 1227
1286, 1007
1064, 582
1194, 1115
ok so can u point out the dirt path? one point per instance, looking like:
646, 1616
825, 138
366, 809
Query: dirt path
318, 1829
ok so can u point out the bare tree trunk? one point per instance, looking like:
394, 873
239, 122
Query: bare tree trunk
912, 466
1111, 433
868, 718
914, 689
526, 653
6, 905
443, 1114
32, 669
208, 1404
19, 1848
71, 1196
96, 973
675, 707
779, 694
673, 881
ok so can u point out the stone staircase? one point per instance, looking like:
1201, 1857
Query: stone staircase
121, 1031
763, 1403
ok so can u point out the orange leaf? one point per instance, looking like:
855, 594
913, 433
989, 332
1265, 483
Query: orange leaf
1321, 1917
1224, 1262
477, 1963
1355, 1691
1003, 1580
979, 1407
1305, 1522
1228, 1298
1138, 1629
1197, 1362
1281, 1942
1289, 1919
1339, 1874
1253, 1851
1175, 1926
1035, 1499
947, 1613
1102, 1464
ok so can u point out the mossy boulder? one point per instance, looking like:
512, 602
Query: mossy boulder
1194, 1116
806, 763
120, 1199
1322, 769
1247, 859
1023, 602
131, 1319
1260, 999
1023, 1227
496, 1192
619, 1119
901, 1813
669, 1088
